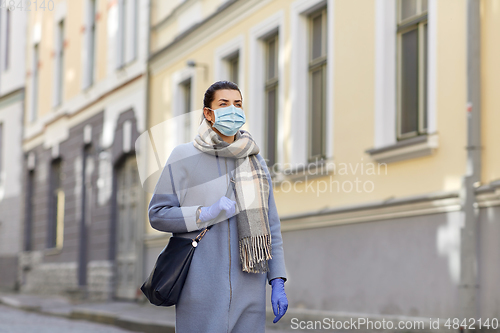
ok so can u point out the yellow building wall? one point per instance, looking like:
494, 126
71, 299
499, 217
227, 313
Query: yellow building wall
74, 20
490, 84
102, 40
46, 64
353, 100
354, 110
73, 60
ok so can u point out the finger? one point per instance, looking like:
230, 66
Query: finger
278, 317
281, 313
275, 308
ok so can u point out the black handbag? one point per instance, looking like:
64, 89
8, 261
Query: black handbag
164, 285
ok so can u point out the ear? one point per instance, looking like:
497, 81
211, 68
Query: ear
208, 114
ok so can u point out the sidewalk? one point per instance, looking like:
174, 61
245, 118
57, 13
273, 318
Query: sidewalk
133, 316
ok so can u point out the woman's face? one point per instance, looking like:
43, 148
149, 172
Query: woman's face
222, 99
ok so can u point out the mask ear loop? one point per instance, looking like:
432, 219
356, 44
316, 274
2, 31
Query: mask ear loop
212, 122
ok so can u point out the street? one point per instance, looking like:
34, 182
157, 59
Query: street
19, 321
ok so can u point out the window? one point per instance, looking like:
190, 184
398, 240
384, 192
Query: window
271, 97
7, 39
91, 45
121, 32
60, 63
317, 85
230, 60
28, 215
127, 31
34, 97
233, 63
412, 68
186, 100
56, 208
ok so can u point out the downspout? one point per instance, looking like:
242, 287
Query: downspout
144, 154
469, 283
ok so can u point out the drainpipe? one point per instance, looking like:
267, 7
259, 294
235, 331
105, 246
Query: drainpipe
144, 153
469, 284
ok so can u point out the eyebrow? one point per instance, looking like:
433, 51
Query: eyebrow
225, 100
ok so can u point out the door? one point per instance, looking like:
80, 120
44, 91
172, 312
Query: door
127, 229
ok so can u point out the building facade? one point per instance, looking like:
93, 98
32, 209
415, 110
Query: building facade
85, 106
361, 109
12, 80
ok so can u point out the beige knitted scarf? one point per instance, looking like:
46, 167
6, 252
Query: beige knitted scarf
251, 194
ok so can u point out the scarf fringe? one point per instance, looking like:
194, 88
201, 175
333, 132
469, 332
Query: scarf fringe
254, 253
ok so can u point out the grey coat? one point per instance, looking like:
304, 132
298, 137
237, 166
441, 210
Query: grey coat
217, 296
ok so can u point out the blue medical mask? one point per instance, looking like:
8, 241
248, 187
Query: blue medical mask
228, 120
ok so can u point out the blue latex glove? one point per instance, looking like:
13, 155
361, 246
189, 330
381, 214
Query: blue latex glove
278, 298
211, 212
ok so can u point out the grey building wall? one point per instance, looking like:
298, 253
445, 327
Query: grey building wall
47, 271
398, 267
489, 263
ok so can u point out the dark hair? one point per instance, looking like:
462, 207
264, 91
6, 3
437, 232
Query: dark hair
220, 85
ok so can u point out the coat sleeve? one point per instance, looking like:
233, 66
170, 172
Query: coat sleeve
165, 212
277, 263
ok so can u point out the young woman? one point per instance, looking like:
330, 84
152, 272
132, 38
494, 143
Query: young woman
226, 285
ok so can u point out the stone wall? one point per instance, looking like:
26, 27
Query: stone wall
37, 277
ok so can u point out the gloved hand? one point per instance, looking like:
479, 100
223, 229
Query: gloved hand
278, 298
211, 212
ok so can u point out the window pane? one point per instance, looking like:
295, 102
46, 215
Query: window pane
91, 48
409, 81
425, 78
271, 126
317, 104
28, 211
233, 69
60, 64
186, 90
271, 59
317, 37
408, 8
34, 107
187, 96
55, 187
424, 5
7, 39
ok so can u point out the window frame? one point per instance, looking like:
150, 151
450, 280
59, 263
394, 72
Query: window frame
225, 52
35, 83
319, 63
417, 21
271, 83
8, 19
60, 63
91, 48
186, 88
55, 227
233, 66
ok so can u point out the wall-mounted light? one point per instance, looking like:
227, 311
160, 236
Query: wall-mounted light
194, 64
